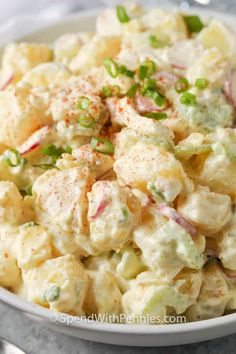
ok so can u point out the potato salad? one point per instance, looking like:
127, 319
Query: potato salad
118, 168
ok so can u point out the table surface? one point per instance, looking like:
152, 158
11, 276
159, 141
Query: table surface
35, 339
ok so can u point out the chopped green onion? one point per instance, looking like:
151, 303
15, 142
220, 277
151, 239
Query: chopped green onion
83, 102
182, 85
151, 65
184, 150
109, 91
149, 84
30, 224
122, 14
68, 150
156, 115
13, 158
188, 99
124, 71
112, 67
142, 72
45, 166
193, 23
86, 121
155, 42
28, 190
156, 193
147, 68
53, 293
132, 91
102, 145
201, 84
125, 214
53, 151
156, 97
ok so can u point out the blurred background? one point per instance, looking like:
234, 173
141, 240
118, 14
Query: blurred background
52, 9
20, 17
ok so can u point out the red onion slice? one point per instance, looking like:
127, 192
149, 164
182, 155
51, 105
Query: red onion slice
166, 78
101, 206
171, 213
31, 148
34, 141
6, 83
230, 88
103, 201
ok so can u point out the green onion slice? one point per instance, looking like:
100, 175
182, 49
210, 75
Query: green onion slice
109, 91
86, 121
52, 293
132, 91
124, 71
193, 23
182, 85
149, 84
45, 166
156, 115
142, 72
13, 158
112, 67
122, 14
156, 193
156, 97
102, 145
151, 65
53, 151
184, 150
201, 84
155, 42
83, 102
188, 99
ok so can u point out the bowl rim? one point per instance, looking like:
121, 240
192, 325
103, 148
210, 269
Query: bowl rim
37, 311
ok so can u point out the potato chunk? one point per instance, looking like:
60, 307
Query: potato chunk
25, 110
11, 203
59, 284
207, 210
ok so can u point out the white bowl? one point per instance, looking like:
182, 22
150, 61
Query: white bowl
122, 334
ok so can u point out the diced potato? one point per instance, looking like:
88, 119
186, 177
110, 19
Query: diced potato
103, 296
112, 212
18, 58
62, 195
218, 170
123, 113
145, 163
226, 243
58, 283
47, 74
66, 110
148, 300
210, 65
213, 297
26, 112
11, 203
67, 46
94, 52
10, 274
207, 210
219, 36
33, 247
166, 247
165, 24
